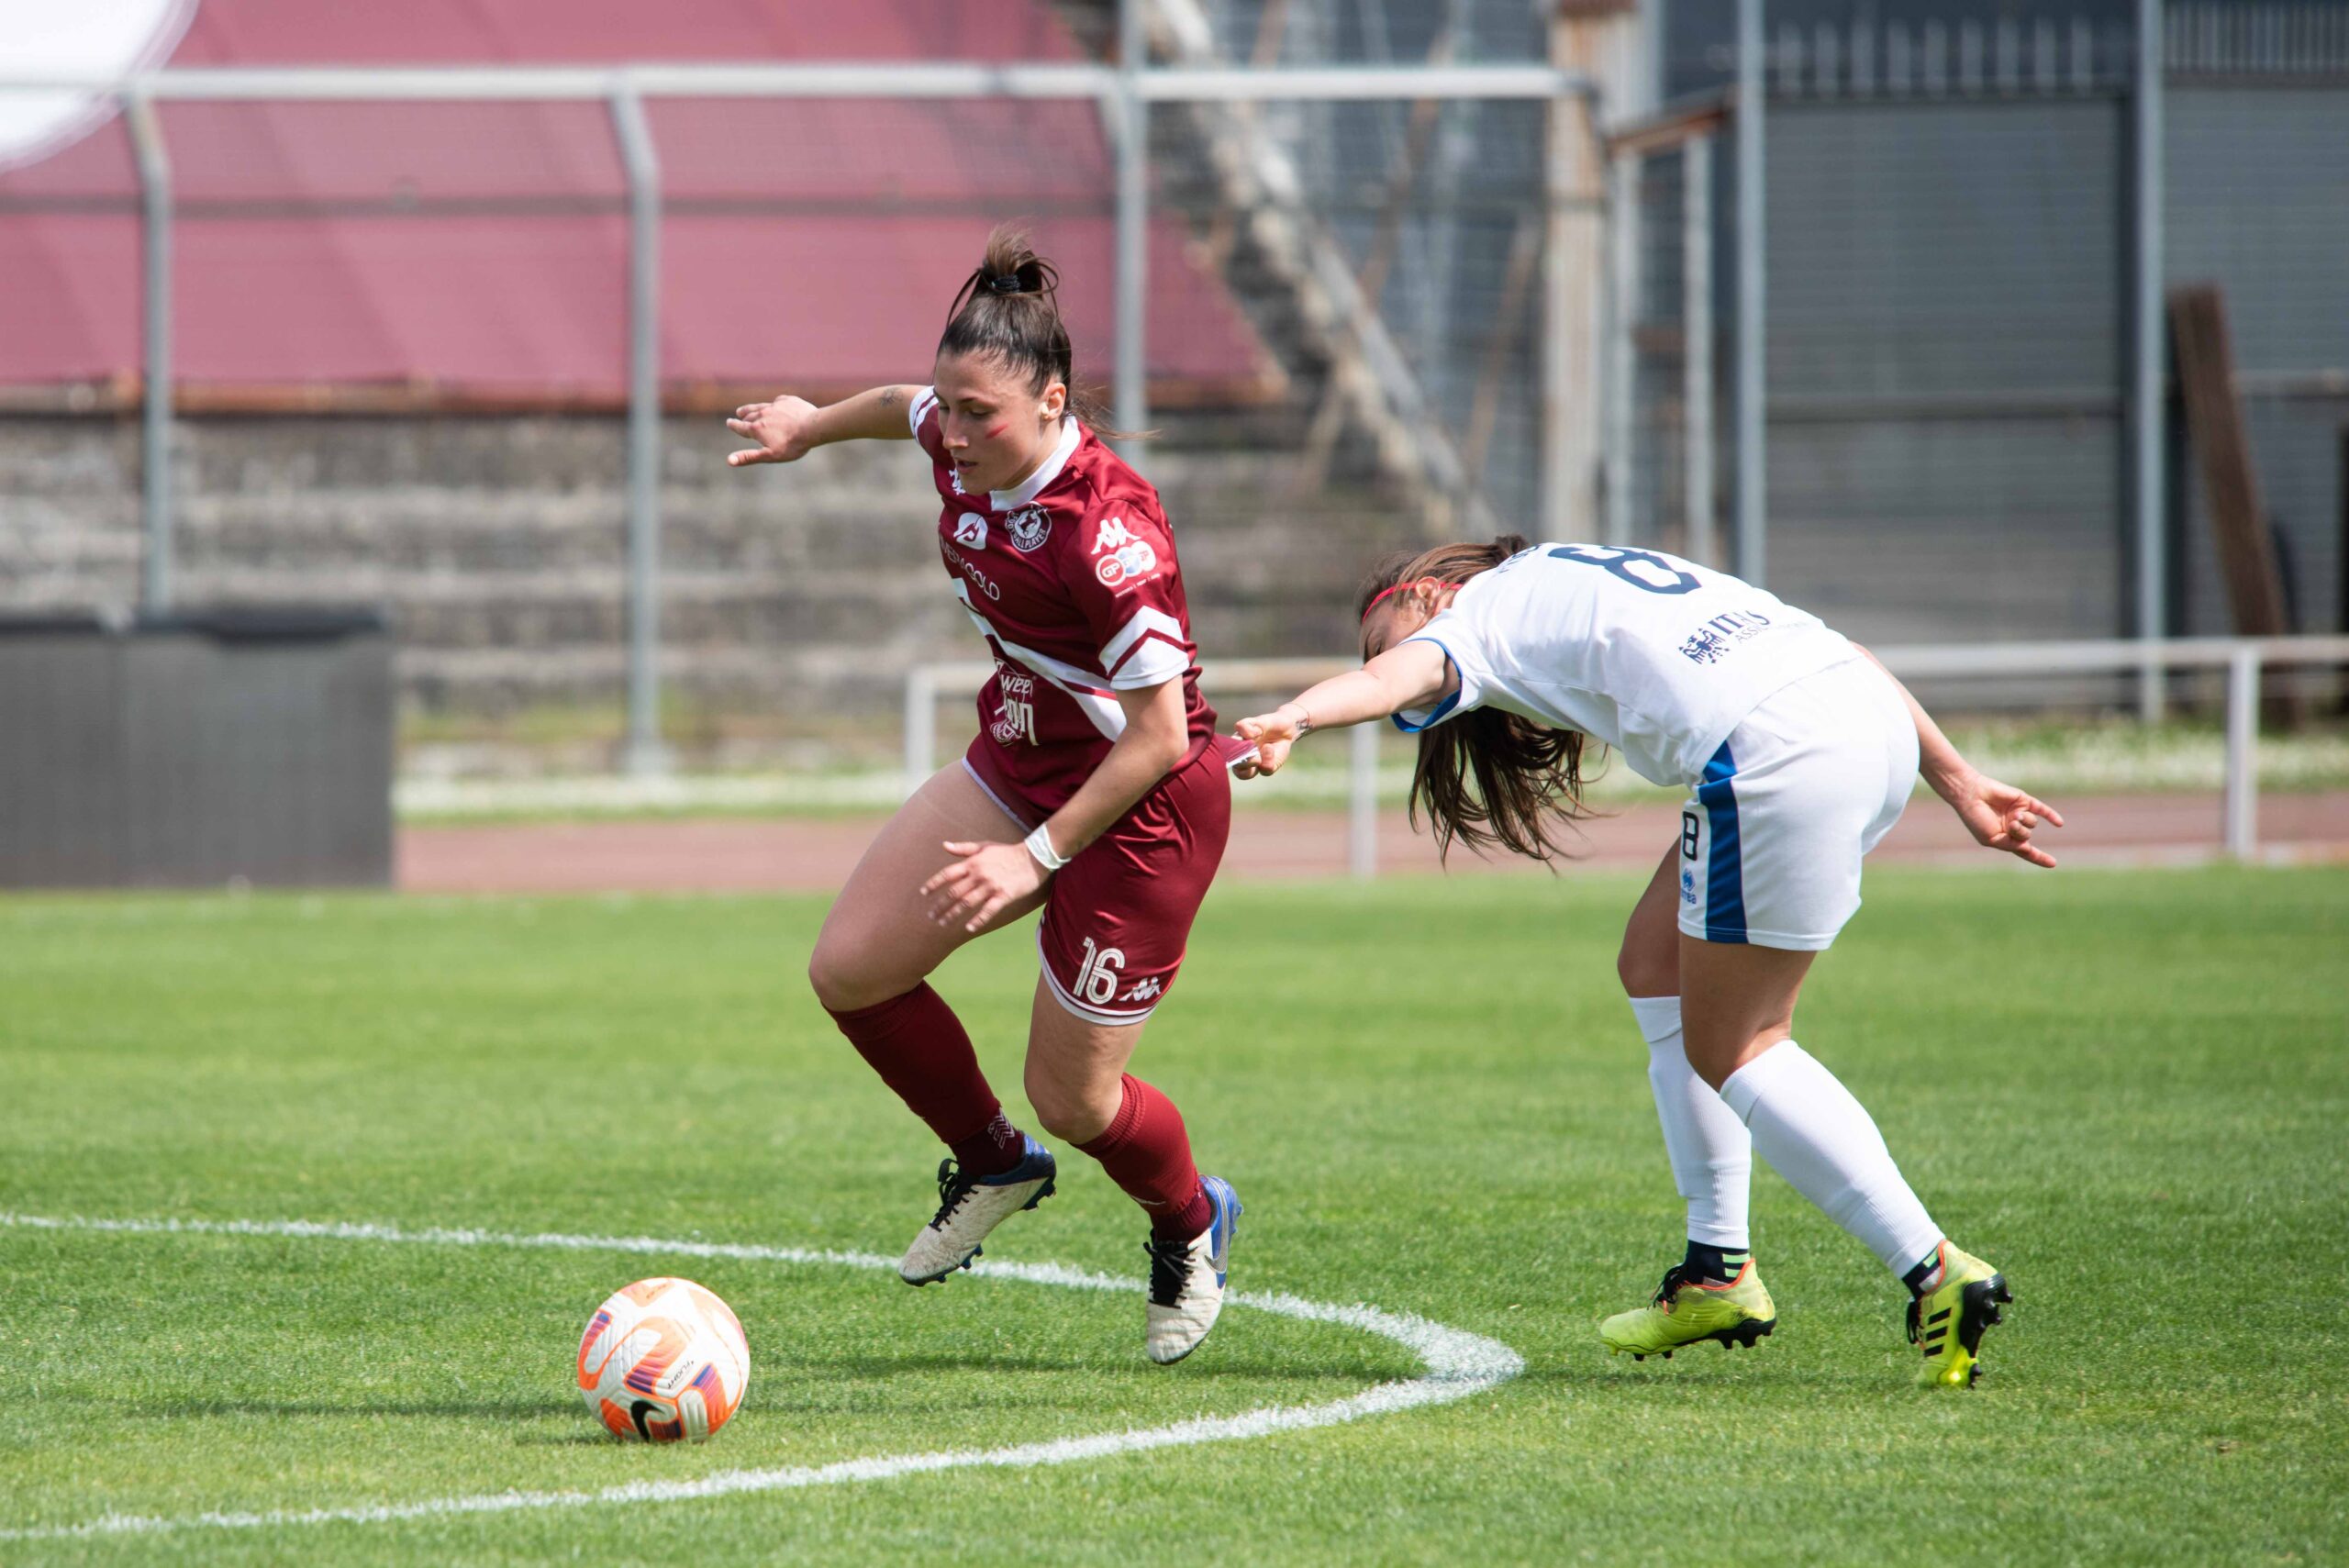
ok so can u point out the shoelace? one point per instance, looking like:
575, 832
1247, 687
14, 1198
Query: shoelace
1673, 1278
953, 1186
1170, 1269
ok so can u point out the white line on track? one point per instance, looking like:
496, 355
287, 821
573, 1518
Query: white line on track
1459, 1364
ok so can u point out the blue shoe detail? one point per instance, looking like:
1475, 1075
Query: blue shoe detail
1228, 1210
1035, 1161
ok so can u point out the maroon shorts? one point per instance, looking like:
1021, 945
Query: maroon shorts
1118, 917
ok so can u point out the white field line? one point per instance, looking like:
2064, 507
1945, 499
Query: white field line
1459, 1364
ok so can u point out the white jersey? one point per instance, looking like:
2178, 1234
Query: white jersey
1655, 656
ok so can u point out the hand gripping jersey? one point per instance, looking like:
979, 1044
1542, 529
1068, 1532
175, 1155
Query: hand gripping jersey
1072, 578
1655, 656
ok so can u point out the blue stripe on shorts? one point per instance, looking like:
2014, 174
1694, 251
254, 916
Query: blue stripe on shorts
1724, 874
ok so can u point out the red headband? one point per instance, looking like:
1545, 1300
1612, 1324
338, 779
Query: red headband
1397, 589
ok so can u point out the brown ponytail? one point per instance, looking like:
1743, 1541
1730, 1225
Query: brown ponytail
1528, 776
1009, 310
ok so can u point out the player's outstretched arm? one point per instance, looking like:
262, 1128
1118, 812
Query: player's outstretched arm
1999, 815
1409, 674
790, 428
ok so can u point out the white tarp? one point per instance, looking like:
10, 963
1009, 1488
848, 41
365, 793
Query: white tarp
82, 38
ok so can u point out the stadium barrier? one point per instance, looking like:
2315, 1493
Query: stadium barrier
2243, 659
234, 747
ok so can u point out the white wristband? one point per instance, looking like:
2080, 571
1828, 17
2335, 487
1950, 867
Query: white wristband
1039, 844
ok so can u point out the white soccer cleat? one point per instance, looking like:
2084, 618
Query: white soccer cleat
1187, 1279
969, 1207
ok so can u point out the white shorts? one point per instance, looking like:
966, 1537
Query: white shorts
1805, 785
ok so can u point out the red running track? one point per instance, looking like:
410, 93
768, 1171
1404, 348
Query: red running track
816, 854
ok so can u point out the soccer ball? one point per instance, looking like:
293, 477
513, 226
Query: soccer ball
663, 1360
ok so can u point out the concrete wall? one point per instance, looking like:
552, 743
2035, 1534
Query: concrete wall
496, 545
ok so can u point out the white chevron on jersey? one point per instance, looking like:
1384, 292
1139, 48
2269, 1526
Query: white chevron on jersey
1151, 648
1082, 685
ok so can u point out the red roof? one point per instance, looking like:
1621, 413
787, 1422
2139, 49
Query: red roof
480, 250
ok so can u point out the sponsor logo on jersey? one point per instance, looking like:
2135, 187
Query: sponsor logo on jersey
1120, 558
1018, 720
971, 531
1712, 641
962, 563
1029, 526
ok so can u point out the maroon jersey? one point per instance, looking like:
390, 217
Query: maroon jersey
1073, 580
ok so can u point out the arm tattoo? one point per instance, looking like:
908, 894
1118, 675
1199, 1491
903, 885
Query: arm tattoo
890, 397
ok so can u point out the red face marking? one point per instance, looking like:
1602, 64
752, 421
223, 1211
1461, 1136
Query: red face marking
995, 431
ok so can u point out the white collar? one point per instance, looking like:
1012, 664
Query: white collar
1046, 471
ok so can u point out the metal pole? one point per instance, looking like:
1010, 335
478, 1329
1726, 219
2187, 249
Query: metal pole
1560, 480
1362, 801
1622, 309
2243, 752
1697, 341
2147, 436
643, 752
1753, 478
155, 475
1133, 389
922, 727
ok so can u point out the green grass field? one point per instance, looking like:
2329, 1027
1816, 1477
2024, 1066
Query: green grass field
2130, 1091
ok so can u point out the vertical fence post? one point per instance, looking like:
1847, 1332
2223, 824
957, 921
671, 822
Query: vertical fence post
1362, 801
1131, 391
643, 753
2243, 752
1696, 346
155, 452
922, 726
2146, 432
1753, 478
1622, 312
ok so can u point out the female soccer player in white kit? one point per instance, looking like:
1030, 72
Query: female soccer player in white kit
1798, 749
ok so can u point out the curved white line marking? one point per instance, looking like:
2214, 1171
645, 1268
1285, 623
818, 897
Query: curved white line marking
1458, 1364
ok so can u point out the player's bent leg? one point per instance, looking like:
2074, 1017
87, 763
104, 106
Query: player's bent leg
1714, 1292
1821, 1139
869, 969
878, 940
1077, 1082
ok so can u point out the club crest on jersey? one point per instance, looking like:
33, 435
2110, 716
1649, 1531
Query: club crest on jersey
971, 531
1121, 557
1029, 526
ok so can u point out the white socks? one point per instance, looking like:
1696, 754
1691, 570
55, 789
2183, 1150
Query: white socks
1824, 1143
1712, 1154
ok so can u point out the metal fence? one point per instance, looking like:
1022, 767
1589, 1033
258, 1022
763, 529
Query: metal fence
1947, 240
1375, 300
2008, 668
1971, 222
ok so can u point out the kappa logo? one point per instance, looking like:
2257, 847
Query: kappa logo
971, 531
1123, 558
1146, 991
1029, 526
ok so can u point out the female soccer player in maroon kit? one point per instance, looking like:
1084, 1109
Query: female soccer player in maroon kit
1096, 790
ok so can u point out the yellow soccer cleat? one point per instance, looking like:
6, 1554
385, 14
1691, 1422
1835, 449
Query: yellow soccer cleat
1947, 1321
1686, 1311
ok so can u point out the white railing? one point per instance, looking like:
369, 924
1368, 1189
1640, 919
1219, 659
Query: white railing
2242, 657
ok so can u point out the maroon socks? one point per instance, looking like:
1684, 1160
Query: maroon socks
918, 1047
1147, 1152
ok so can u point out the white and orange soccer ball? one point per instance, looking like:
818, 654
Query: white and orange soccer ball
663, 1360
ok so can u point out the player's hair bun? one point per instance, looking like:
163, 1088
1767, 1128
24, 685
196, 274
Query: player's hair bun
1009, 310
